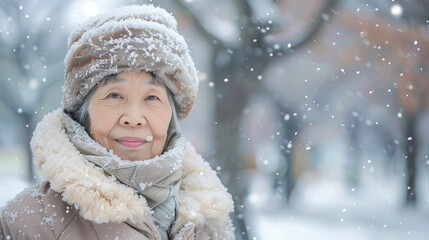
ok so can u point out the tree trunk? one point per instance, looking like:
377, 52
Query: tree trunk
291, 126
286, 182
28, 135
410, 151
231, 99
352, 165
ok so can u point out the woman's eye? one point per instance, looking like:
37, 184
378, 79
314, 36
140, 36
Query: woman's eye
152, 98
114, 95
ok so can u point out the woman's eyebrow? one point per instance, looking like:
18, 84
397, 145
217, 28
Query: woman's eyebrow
153, 81
112, 79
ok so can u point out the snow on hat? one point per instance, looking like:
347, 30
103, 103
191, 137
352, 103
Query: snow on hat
131, 38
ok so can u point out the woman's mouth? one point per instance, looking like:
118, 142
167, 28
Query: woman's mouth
131, 142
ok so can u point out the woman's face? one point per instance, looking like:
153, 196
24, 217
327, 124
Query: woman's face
126, 111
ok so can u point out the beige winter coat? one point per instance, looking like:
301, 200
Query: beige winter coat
79, 201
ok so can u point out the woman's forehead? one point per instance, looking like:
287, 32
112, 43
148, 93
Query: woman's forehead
123, 78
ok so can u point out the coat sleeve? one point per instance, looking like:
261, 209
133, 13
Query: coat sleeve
24, 217
4, 229
3, 234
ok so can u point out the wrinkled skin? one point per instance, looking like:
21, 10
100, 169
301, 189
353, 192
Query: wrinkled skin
132, 105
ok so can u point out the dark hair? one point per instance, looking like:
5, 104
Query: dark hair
81, 114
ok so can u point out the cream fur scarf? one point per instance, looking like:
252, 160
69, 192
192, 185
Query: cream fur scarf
203, 200
157, 179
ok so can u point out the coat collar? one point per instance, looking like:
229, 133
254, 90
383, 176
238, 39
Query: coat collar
101, 198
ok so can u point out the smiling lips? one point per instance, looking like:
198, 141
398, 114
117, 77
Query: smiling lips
131, 142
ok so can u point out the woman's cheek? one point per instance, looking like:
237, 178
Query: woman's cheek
160, 140
157, 148
158, 144
162, 135
100, 136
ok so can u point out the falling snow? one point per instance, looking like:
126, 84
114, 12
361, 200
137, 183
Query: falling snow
325, 127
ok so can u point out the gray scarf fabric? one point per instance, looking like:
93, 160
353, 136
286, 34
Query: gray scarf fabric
157, 179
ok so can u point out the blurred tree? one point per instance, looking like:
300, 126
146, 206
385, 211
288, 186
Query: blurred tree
394, 51
30, 62
239, 68
407, 47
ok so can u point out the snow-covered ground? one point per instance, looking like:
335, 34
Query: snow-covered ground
325, 208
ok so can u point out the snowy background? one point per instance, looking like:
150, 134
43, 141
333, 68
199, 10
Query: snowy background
314, 113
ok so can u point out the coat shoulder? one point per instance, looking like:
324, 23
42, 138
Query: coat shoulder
203, 200
36, 212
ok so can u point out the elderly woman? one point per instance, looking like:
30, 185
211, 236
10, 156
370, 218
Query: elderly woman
115, 161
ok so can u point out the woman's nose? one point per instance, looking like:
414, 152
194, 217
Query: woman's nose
133, 116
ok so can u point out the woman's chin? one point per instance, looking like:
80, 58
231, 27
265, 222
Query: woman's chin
134, 156
143, 152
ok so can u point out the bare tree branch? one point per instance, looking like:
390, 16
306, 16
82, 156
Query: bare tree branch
3, 53
3, 11
245, 8
7, 96
293, 45
198, 21
10, 6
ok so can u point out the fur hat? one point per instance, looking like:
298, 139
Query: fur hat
131, 38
